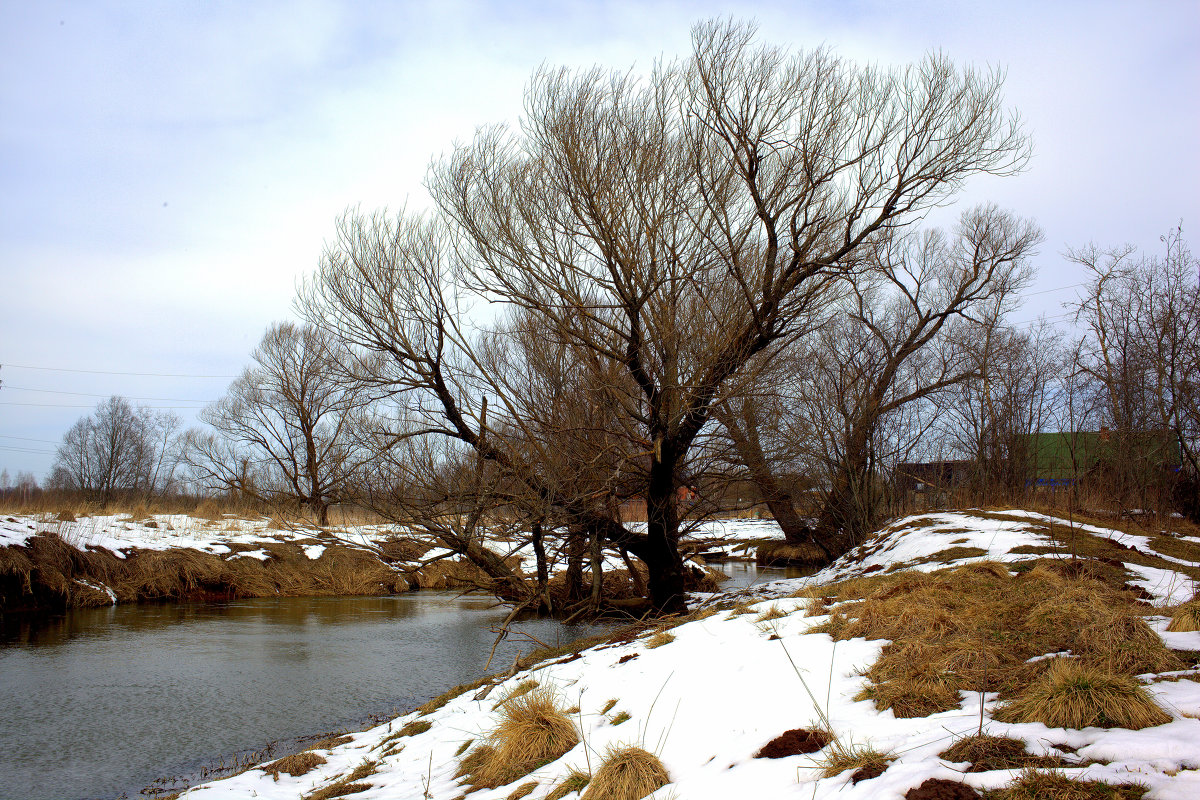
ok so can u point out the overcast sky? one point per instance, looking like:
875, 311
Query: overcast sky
169, 170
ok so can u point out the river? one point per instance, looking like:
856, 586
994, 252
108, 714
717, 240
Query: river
102, 702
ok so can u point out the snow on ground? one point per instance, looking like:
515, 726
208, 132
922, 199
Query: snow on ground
706, 702
119, 533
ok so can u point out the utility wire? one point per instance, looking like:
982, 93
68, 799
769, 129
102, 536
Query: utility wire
108, 372
67, 405
26, 450
93, 394
27, 439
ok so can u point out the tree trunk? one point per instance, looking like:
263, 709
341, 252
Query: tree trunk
662, 557
597, 558
848, 511
543, 572
576, 546
778, 499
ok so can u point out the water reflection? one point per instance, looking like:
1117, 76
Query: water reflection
746, 573
102, 701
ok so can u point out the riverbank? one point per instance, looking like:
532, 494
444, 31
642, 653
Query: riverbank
908, 669
50, 562
55, 562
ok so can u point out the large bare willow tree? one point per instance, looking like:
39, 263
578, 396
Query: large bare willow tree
671, 230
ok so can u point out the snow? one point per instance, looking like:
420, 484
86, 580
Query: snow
706, 702
118, 534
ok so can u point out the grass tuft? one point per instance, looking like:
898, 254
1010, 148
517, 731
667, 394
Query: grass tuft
522, 790
986, 753
523, 688
612, 701
618, 718
659, 639
576, 781
295, 765
627, 773
866, 761
1054, 785
774, 612
1186, 617
532, 732
1074, 694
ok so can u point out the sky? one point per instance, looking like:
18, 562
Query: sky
170, 171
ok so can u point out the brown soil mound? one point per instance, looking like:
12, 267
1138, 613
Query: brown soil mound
794, 742
940, 789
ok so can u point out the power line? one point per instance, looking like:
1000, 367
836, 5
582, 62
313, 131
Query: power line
1059, 289
93, 394
67, 405
108, 372
27, 439
8, 449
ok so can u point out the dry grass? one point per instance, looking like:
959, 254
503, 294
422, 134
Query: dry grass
626, 773
523, 688
659, 639
1053, 785
775, 553
1074, 694
52, 573
523, 790
532, 732
1186, 617
866, 761
618, 718
975, 627
612, 701
295, 765
772, 613
576, 781
346, 786
987, 753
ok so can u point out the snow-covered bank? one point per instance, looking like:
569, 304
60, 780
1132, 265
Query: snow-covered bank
48, 562
707, 700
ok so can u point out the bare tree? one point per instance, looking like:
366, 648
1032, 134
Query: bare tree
284, 429
671, 229
118, 449
1142, 348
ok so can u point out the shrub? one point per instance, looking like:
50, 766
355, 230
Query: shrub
1073, 694
627, 773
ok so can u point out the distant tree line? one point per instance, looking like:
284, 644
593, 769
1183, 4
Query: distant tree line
679, 294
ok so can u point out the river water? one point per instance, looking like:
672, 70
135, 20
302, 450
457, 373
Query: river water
100, 702
97, 703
